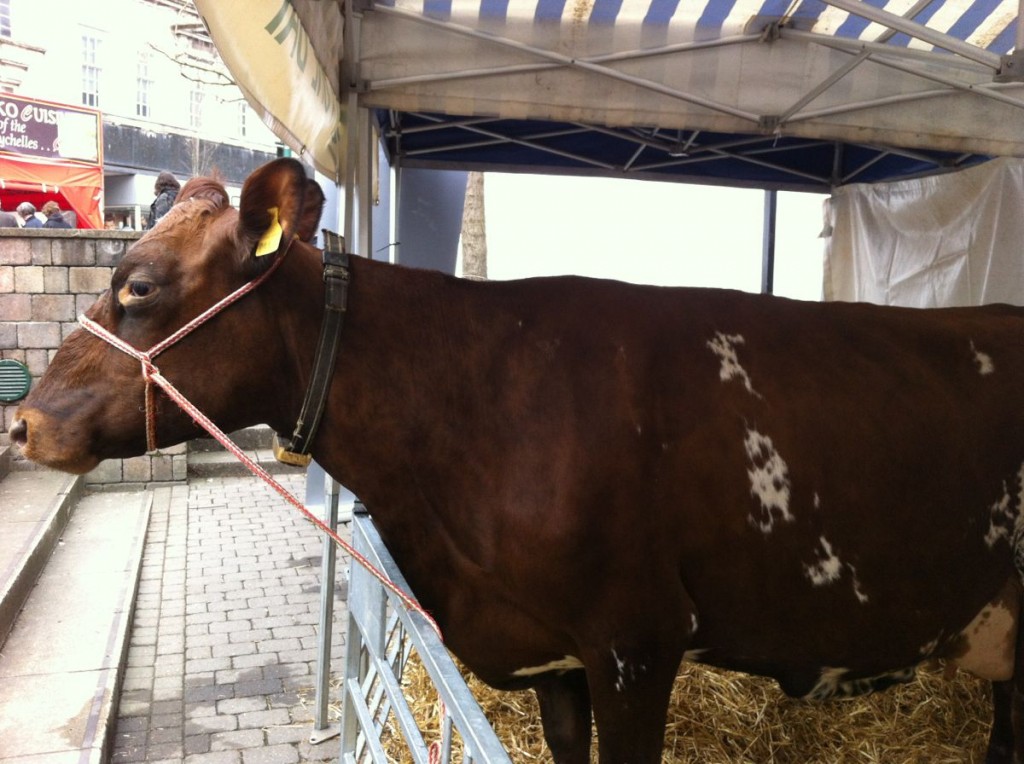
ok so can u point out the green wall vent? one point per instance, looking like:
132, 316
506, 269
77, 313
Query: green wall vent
14, 380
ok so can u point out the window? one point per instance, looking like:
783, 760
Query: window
195, 112
90, 70
143, 87
203, 47
5, 18
243, 113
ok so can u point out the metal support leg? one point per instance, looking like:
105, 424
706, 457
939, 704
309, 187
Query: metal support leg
771, 205
321, 728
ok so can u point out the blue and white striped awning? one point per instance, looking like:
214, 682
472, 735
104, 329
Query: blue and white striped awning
809, 93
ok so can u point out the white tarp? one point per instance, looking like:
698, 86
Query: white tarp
946, 240
274, 63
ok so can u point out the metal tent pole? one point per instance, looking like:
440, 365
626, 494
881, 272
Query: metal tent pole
1019, 38
332, 489
771, 203
322, 730
918, 31
1012, 64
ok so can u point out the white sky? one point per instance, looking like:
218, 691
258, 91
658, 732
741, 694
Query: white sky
649, 232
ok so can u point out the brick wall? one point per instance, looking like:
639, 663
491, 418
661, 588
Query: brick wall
47, 278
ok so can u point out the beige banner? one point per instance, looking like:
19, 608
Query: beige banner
268, 52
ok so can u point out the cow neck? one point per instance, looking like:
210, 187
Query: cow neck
336, 277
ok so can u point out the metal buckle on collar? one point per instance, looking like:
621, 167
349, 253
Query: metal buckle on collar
286, 456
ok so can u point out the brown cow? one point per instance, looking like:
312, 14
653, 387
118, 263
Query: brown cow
577, 473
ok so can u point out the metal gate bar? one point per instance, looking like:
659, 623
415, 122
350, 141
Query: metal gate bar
381, 634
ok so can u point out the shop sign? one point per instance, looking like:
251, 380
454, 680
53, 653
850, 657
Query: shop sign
49, 130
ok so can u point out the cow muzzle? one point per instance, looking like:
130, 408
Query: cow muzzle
19, 432
41, 441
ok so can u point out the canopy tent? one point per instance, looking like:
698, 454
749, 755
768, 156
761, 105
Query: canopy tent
776, 94
74, 187
770, 93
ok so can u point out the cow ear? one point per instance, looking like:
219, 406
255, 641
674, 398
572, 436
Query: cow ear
270, 211
312, 209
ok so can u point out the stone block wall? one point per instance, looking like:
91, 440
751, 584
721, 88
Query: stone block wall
47, 278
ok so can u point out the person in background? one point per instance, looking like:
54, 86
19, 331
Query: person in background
27, 212
8, 220
54, 218
166, 189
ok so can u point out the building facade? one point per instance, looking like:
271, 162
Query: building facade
167, 102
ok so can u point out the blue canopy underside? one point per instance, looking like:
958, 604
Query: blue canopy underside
712, 158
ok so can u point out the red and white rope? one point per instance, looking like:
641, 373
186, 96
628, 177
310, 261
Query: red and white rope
146, 356
151, 374
207, 424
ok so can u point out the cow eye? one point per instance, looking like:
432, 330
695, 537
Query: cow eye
136, 293
140, 288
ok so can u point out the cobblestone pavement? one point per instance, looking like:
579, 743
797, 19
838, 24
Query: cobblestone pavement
223, 646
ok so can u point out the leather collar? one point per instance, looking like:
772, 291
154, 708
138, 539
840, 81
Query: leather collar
336, 280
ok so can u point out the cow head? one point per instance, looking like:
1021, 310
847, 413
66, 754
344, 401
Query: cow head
88, 406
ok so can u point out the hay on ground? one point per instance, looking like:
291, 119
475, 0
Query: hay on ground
723, 717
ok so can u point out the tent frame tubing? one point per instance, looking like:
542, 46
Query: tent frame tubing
909, 61
374, 657
877, 51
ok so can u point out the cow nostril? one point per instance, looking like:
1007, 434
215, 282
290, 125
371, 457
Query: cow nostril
19, 432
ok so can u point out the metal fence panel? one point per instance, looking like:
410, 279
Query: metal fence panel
381, 633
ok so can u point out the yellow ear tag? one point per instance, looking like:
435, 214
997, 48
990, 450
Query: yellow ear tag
270, 240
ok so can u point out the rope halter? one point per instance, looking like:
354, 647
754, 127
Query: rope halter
150, 372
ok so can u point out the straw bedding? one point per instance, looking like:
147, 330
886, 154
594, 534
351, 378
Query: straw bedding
722, 717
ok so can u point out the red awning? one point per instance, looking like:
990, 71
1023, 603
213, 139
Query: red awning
74, 186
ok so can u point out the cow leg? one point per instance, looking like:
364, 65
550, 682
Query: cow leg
1000, 741
565, 714
1006, 741
630, 691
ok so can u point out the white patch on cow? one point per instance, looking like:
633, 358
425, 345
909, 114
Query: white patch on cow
568, 663
990, 640
832, 683
1001, 517
817, 501
1005, 517
930, 647
693, 623
724, 346
626, 671
827, 684
620, 667
983, 360
858, 590
829, 569
1020, 491
769, 481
